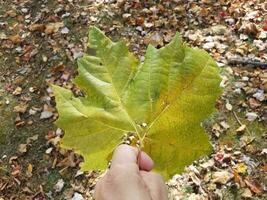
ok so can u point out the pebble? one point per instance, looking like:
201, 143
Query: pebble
59, 185
77, 196
251, 116
46, 115
49, 150
24, 10
259, 95
32, 111
239, 84
65, 30
229, 106
245, 78
7, 102
209, 45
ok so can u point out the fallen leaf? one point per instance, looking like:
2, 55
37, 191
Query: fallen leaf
241, 168
37, 27
17, 91
21, 108
253, 103
154, 39
254, 185
15, 39
222, 177
238, 179
29, 168
53, 27
22, 148
246, 193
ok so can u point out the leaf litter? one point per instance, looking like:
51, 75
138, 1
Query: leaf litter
39, 44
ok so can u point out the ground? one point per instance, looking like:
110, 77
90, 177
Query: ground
40, 42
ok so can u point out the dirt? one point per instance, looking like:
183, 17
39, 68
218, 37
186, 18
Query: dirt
35, 59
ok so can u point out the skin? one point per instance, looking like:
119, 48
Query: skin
130, 179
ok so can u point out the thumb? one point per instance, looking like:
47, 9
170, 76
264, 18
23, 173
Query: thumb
125, 155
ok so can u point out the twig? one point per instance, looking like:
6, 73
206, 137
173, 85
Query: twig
237, 119
248, 62
240, 123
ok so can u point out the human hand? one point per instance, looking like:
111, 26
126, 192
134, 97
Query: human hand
129, 179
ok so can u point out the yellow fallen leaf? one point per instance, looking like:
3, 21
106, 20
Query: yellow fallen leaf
29, 168
241, 168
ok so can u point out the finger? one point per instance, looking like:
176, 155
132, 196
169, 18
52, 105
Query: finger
155, 185
126, 155
145, 162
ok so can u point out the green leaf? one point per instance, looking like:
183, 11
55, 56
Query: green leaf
162, 100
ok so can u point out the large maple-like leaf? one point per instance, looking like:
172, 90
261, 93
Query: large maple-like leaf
162, 100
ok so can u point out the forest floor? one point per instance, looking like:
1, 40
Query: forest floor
40, 41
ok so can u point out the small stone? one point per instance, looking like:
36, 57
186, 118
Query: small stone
237, 91
240, 85
76, 53
264, 151
224, 125
44, 58
25, 10
259, 95
79, 173
263, 35
251, 116
209, 45
59, 185
229, 106
49, 150
77, 196
32, 111
65, 30
31, 89
245, 78
46, 115
126, 15
237, 153
59, 132
65, 15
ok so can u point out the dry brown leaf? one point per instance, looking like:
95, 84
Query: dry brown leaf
15, 39
254, 185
